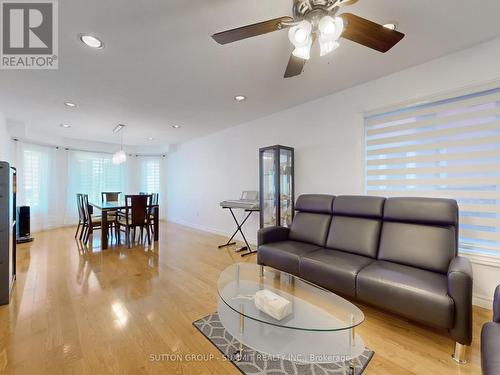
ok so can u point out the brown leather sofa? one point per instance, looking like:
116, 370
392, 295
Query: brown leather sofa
399, 254
490, 340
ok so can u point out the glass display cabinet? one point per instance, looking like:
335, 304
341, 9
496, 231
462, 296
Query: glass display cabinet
276, 174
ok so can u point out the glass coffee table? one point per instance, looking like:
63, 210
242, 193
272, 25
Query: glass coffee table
320, 329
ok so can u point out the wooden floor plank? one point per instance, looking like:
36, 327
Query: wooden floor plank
78, 310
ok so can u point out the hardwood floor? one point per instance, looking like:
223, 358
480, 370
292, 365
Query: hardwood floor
81, 311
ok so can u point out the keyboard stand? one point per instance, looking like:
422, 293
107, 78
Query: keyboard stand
239, 226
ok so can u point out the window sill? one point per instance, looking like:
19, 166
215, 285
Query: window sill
484, 259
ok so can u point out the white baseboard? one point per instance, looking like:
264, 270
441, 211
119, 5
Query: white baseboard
482, 301
251, 239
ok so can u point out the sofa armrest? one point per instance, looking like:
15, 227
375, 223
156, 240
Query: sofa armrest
460, 290
496, 305
272, 234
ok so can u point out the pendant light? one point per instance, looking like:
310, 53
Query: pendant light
120, 156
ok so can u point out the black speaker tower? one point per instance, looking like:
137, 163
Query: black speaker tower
23, 224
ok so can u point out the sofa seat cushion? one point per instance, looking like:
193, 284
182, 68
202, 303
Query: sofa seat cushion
332, 269
415, 293
284, 255
490, 348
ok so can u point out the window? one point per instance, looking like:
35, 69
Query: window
150, 168
92, 173
448, 148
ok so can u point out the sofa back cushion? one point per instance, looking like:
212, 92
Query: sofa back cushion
312, 220
315, 203
356, 224
420, 232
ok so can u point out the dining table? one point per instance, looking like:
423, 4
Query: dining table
106, 207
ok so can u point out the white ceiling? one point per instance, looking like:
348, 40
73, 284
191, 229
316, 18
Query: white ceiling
160, 67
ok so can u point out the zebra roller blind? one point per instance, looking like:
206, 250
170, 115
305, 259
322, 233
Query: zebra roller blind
449, 149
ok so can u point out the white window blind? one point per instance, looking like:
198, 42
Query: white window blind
448, 149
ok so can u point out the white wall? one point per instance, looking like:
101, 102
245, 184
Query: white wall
328, 138
4, 140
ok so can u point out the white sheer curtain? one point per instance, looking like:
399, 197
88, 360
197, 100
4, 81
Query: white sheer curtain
49, 179
153, 174
41, 183
92, 173
150, 174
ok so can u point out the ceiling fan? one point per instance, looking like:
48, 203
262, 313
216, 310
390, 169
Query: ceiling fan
317, 20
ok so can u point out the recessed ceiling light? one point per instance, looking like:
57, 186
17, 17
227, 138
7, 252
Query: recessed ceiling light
176, 126
91, 41
240, 98
70, 104
391, 26
65, 126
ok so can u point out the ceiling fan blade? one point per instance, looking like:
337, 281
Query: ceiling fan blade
370, 34
294, 67
249, 31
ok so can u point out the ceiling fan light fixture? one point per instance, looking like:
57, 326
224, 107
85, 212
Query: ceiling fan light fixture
327, 46
300, 37
330, 29
326, 26
303, 52
304, 28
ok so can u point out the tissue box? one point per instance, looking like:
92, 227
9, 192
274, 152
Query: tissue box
273, 304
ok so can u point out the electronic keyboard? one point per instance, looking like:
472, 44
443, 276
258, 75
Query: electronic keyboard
241, 203
249, 201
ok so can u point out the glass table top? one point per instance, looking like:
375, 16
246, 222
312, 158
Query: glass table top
110, 205
313, 308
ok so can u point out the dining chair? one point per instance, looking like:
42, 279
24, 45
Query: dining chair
91, 222
136, 215
111, 196
155, 199
81, 216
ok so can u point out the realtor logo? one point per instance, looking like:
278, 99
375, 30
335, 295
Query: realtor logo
29, 37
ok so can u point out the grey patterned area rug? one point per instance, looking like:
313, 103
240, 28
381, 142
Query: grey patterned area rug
255, 363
